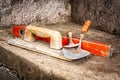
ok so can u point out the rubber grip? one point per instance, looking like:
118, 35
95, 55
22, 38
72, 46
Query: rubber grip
86, 26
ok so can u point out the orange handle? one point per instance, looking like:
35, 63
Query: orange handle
86, 26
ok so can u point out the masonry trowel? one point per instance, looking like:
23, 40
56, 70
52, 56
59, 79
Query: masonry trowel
74, 51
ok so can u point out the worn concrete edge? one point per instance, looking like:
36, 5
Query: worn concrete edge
24, 68
30, 65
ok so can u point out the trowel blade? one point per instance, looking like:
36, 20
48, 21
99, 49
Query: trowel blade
71, 46
75, 53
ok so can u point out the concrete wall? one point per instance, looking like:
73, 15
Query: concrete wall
105, 14
30, 11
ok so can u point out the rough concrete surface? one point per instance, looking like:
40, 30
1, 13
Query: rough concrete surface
34, 11
6, 74
30, 65
104, 14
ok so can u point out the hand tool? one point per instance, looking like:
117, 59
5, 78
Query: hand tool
96, 48
84, 32
74, 50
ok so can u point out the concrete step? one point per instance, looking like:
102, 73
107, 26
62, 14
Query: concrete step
30, 65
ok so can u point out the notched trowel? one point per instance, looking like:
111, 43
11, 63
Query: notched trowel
74, 51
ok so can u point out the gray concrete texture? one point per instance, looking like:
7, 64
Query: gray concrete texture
104, 14
6, 74
34, 11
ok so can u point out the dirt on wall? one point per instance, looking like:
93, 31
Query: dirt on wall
34, 11
105, 14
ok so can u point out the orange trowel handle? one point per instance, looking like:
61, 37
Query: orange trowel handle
86, 27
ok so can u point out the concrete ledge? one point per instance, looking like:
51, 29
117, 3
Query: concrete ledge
33, 66
25, 69
30, 65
